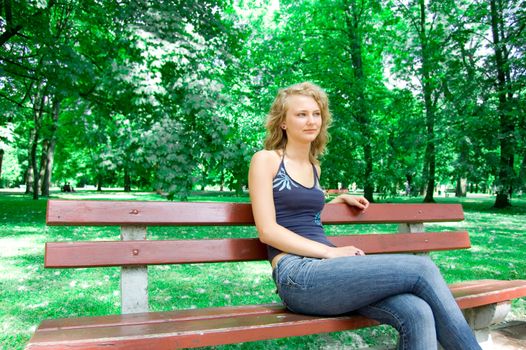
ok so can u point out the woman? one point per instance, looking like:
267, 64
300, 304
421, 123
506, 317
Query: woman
312, 275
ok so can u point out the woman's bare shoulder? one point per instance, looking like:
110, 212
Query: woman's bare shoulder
265, 155
267, 160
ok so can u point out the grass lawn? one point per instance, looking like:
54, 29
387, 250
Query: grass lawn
30, 294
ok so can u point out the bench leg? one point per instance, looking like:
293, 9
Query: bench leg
134, 279
481, 318
134, 289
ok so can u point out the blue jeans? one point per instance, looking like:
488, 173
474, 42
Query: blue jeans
404, 291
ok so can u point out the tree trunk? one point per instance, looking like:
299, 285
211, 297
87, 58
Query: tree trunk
222, 178
38, 112
362, 112
50, 153
127, 180
430, 155
43, 165
48, 171
422, 185
1, 161
28, 178
99, 182
522, 172
431, 169
462, 187
368, 190
409, 185
506, 133
204, 176
28, 174
34, 163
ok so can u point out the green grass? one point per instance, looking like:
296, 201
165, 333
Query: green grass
30, 293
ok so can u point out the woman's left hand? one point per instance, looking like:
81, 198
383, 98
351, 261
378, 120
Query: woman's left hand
354, 201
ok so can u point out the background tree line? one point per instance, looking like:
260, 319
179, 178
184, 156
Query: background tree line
171, 95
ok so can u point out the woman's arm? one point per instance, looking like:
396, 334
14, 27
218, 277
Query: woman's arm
260, 179
354, 201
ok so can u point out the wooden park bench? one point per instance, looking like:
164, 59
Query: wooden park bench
484, 301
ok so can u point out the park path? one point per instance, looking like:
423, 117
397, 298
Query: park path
510, 336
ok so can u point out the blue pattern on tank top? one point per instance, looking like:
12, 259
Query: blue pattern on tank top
282, 180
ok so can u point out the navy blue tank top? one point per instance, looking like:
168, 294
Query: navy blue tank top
298, 208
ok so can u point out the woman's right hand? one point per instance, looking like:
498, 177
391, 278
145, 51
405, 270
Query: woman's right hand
336, 252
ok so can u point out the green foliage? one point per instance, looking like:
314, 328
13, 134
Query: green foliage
172, 95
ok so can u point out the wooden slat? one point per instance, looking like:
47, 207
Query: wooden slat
157, 317
392, 213
122, 213
190, 334
125, 253
467, 294
406, 242
484, 292
215, 326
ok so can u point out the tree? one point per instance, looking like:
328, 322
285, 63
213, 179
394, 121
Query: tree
506, 93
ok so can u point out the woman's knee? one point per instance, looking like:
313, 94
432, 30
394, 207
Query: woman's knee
411, 316
405, 312
416, 327
427, 267
419, 314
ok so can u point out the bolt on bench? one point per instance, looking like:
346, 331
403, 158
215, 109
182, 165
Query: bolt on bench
484, 302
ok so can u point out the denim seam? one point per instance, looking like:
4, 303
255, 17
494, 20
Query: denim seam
402, 331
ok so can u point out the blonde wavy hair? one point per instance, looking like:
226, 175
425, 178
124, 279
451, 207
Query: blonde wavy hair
276, 138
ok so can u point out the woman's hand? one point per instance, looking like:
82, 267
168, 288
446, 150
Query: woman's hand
336, 252
358, 202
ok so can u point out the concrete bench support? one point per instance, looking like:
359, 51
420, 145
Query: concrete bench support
134, 279
481, 318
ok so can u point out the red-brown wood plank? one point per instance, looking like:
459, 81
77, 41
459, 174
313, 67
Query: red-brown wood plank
392, 213
74, 212
162, 316
121, 213
229, 325
406, 242
123, 253
191, 334
467, 294
484, 292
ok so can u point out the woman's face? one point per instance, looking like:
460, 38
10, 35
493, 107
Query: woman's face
303, 118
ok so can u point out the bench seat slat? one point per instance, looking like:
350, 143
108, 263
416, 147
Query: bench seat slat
122, 213
179, 329
483, 292
162, 316
125, 253
189, 334
472, 291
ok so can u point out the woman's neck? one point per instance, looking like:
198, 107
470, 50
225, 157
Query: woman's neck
298, 152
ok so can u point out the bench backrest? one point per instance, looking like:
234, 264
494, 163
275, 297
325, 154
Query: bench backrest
135, 215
